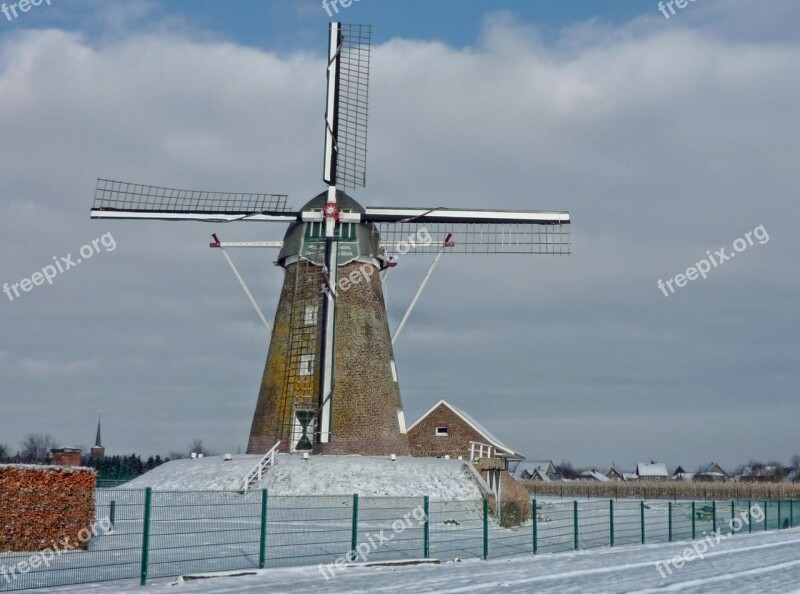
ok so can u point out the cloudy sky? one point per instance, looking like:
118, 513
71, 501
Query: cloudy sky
664, 138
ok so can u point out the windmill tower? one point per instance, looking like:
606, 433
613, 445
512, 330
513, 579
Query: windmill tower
330, 381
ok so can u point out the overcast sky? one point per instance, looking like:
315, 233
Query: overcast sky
664, 138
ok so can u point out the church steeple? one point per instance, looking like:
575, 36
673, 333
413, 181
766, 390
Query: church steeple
98, 443
98, 451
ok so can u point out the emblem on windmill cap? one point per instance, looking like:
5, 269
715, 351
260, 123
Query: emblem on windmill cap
356, 241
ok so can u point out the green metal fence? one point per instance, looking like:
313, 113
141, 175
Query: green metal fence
147, 534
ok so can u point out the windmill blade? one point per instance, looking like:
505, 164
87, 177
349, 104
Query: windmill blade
123, 200
348, 105
463, 215
474, 238
470, 231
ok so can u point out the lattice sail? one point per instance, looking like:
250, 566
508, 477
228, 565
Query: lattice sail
123, 197
474, 238
353, 105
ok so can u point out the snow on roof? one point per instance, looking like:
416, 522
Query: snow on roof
651, 469
491, 439
629, 476
368, 476
531, 465
593, 474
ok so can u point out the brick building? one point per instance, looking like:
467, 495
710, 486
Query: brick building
445, 430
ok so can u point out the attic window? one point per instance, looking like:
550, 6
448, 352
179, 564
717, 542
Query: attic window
441, 431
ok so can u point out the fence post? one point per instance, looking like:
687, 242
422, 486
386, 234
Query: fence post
112, 512
562, 492
534, 515
779, 514
426, 530
642, 514
714, 517
733, 513
148, 501
694, 521
669, 511
262, 546
765, 514
749, 515
485, 528
611, 521
354, 536
791, 513
575, 523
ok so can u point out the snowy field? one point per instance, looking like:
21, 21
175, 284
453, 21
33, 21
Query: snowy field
218, 531
759, 563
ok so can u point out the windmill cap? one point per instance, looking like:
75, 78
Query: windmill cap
302, 243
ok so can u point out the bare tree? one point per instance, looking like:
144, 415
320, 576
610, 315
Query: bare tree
35, 448
795, 463
3, 452
196, 447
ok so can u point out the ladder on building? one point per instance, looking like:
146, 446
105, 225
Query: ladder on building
302, 365
266, 462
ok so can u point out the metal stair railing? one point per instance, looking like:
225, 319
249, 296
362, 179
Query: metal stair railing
258, 470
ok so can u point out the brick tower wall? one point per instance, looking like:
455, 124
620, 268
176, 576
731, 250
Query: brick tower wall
366, 399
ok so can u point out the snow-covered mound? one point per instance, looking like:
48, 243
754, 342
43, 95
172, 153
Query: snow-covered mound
368, 476
210, 473
371, 477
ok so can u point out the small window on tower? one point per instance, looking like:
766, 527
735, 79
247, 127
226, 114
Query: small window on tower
441, 431
310, 316
306, 364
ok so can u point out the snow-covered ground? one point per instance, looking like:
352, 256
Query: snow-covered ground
760, 563
441, 480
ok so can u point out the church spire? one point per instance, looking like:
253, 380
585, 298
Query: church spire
98, 443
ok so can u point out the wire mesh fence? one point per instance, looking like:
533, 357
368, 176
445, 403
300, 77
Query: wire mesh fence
141, 534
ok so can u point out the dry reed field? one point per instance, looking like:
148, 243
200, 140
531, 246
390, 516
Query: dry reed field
666, 490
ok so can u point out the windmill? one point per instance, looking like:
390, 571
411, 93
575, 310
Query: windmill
330, 380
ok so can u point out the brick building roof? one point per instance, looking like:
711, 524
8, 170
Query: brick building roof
490, 439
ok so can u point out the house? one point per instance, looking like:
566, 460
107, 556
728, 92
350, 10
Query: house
654, 471
761, 474
534, 470
717, 469
593, 475
615, 475
629, 476
446, 431
713, 473
681, 475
